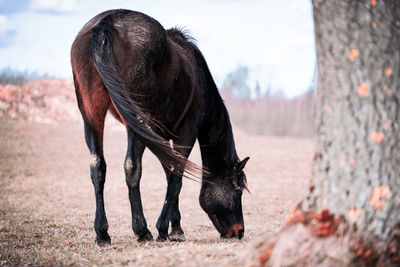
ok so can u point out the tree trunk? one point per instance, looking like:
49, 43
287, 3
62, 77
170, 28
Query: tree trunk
351, 215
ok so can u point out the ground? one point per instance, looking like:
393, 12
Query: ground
47, 200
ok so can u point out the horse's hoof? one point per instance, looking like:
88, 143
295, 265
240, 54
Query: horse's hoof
162, 237
177, 236
146, 237
103, 241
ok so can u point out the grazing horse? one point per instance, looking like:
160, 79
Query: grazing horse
157, 83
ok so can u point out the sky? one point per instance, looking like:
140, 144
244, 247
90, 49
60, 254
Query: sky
274, 39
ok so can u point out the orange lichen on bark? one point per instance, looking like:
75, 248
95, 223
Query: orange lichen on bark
388, 92
363, 90
354, 214
320, 225
265, 257
373, 2
385, 126
354, 53
378, 194
374, 24
377, 137
329, 109
389, 72
324, 224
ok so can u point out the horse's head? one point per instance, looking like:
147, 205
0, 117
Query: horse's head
221, 199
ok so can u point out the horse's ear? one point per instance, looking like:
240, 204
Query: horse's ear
240, 165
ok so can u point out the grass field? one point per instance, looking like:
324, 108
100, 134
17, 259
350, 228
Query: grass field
47, 200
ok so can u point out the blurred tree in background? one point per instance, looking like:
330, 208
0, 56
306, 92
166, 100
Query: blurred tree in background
15, 77
267, 112
236, 83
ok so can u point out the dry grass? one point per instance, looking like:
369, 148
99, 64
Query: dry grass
47, 199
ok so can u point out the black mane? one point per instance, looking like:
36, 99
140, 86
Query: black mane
183, 33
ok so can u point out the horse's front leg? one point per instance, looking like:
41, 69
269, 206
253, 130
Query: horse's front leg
170, 211
133, 173
94, 140
174, 214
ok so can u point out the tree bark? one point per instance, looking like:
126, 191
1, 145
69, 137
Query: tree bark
351, 215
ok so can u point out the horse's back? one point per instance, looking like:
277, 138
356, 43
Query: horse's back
131, 30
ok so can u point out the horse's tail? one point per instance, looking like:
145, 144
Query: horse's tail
137, 120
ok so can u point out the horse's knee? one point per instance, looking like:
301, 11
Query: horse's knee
97, 169
132, 172
94, 161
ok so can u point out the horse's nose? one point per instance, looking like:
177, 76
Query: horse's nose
238, 229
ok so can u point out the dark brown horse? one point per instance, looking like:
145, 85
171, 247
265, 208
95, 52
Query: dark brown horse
157, 83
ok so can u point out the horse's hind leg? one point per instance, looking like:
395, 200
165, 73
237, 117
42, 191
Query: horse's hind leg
94, 138
133, 173
93, 102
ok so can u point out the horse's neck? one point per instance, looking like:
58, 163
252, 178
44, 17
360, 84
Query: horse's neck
216, 141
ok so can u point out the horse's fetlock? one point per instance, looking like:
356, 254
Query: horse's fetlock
101, 228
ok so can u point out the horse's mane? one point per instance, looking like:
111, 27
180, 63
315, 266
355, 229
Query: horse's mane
181, 33
182, 36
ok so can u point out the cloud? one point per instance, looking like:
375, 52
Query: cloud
54, 6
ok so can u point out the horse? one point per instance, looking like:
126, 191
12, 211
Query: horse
157, 83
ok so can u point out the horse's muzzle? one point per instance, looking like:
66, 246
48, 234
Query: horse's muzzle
237, 231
